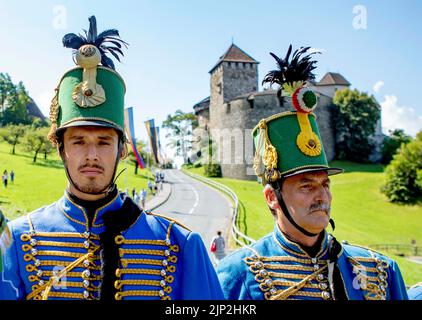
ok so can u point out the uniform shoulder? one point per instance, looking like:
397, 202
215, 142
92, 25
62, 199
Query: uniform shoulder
21, 223
168, 224
415, 292
358, 252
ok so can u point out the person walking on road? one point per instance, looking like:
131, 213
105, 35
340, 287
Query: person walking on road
218, 247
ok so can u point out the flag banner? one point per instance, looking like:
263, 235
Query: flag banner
160, 154
152, 133
130, 133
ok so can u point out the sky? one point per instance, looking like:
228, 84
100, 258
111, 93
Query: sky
375, 45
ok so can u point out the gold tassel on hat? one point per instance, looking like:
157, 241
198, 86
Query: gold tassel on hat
54, 114
270, 157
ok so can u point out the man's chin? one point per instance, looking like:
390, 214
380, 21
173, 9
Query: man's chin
91, 188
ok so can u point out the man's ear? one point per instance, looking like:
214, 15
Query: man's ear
271, 198
124, 151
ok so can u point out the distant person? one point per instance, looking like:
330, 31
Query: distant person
157, 181
300, 260
218, 247
136, 198
162, 176
133, 193
12, 176
143, 196
5, 178
151, 187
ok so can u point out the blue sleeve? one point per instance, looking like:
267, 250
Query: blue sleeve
396, 283
11, 284
200, 280
231, 274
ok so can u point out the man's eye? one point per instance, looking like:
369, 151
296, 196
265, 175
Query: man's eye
306, 187
102, 143
78, 142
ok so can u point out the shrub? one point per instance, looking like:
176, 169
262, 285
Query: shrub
392, 143
212, 170
404, 173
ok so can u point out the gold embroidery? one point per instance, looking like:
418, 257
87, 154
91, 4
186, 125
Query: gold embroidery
134, 293
126, 262
71, 295
152, 252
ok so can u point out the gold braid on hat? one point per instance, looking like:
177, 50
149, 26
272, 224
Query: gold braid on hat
269, 158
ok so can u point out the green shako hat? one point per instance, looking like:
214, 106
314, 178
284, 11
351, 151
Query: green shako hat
90, 94
289, 143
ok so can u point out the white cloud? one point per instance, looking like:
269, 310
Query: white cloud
399, 117
377, 86
311, 50
43, 101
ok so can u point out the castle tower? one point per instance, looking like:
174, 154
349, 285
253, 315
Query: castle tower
235, 74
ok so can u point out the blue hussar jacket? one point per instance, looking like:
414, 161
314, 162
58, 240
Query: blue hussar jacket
55, 254
275, 268
415, 292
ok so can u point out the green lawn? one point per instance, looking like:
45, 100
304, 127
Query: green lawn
361, 212
44, 182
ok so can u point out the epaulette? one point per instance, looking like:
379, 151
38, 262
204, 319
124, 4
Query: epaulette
168, 218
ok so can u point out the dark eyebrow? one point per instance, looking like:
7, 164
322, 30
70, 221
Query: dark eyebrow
107, 137
307, 180
76, 137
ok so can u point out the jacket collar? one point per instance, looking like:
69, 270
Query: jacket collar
294, 248
78, 214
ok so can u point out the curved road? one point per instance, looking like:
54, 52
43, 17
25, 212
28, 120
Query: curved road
198, 206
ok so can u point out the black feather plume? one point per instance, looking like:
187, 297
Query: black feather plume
299, 68
107, 41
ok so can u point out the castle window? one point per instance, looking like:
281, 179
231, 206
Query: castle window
228, 110
251, 101
219, 88
244, 65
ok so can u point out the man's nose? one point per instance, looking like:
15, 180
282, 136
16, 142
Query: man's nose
323, 195
91, 152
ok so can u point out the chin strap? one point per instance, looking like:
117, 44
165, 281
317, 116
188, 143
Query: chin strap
109, 188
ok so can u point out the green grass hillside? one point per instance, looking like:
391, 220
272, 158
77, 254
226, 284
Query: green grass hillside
362, 214
41, 183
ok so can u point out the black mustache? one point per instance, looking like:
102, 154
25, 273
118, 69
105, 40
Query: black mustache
320, 207
97, 166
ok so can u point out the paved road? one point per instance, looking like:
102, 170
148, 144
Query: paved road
201, 208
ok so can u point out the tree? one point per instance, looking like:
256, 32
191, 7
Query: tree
356, 118
12, 134
404, 173
35, 141
39, 123
141, 147
180, 132
392, 143
13, 102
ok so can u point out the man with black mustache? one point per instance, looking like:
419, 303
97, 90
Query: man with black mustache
299, 259
95, 243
